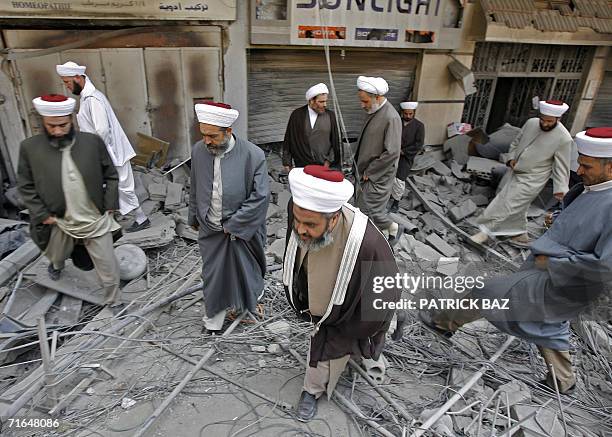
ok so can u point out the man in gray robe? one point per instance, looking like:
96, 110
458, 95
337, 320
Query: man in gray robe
540, 151
569, 268
377, 155
228, 203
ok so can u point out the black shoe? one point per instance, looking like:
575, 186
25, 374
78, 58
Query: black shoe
54, 273
139, 227
428, 323
307, 407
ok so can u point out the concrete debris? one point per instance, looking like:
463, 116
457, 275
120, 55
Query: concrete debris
132, 261
273, 211
423, 162
544, 422
10, 265
150, 207
174, 196
441, 169
185, 231
282, 199
440, 245
67, 313
281, 233
274, 349
161, 233
479, 199
466, 209
444, 425
422, 251
408, 225
458, 172
158, 192
448, 266
458, 146
424, 180
482, 167
273, 227
127, 403
517, 391
279, 327
277, 249
258, 348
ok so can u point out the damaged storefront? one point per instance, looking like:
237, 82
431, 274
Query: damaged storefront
288, 54
153, 60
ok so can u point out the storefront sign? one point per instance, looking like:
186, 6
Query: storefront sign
121, 9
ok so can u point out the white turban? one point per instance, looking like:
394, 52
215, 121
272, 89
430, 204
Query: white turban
318, 188
70, 69
54, 105
595, 142
553, 108
373, 85
217, 114
409, 105
315, 90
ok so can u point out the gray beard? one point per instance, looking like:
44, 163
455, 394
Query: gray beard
220, 149
375, 107
315, 245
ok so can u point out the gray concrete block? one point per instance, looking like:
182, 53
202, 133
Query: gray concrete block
440, 245
277, 249
466, 209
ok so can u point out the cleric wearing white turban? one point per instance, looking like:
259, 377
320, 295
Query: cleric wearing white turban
373, 85
316, 90
216, 114
409, 105
553, 108
333, 254
70, 69
54, 105
317, 188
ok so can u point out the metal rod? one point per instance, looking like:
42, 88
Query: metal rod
554, 376
459, 394
46, 358
380, 391
158, 412
37, 386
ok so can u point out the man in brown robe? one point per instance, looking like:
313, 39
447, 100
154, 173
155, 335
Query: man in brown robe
334, 259
312, 133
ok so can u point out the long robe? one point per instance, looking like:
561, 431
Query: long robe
348, 325
538, 155
233, 263
377, 155
301, 148
97, 116
579, 247
413, 136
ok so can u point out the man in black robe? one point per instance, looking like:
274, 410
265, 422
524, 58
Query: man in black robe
335, 262
312, 134
413, 136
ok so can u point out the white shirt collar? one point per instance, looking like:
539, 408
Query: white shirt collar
312, 114
599, 187
88, 89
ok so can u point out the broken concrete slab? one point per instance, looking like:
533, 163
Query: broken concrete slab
282, 199
157, 191
544, 422
440, 245
462, 211
408, 225
277, 249
72, 281
68, 312
448, 266
21, 257
174, 196
423, 162
458, 172
150, 207
517, 391
161, 233
440, 168
458, 146
482, 167
424, 180
479, 199
272, 227
422, 251
186, 231
273, 211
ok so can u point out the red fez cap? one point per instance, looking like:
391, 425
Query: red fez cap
54, 98
217, 104
325, 173
599, 132
555, 102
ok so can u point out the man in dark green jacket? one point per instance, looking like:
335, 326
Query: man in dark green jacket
69, 184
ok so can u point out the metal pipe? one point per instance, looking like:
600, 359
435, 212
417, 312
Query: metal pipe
46, 358
459, 394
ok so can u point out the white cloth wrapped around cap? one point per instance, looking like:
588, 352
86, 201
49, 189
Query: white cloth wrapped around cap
317, 188
70, 69
373, 85
315, 90
54, 105
409, 105
595, 142
217, 114
553, 108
